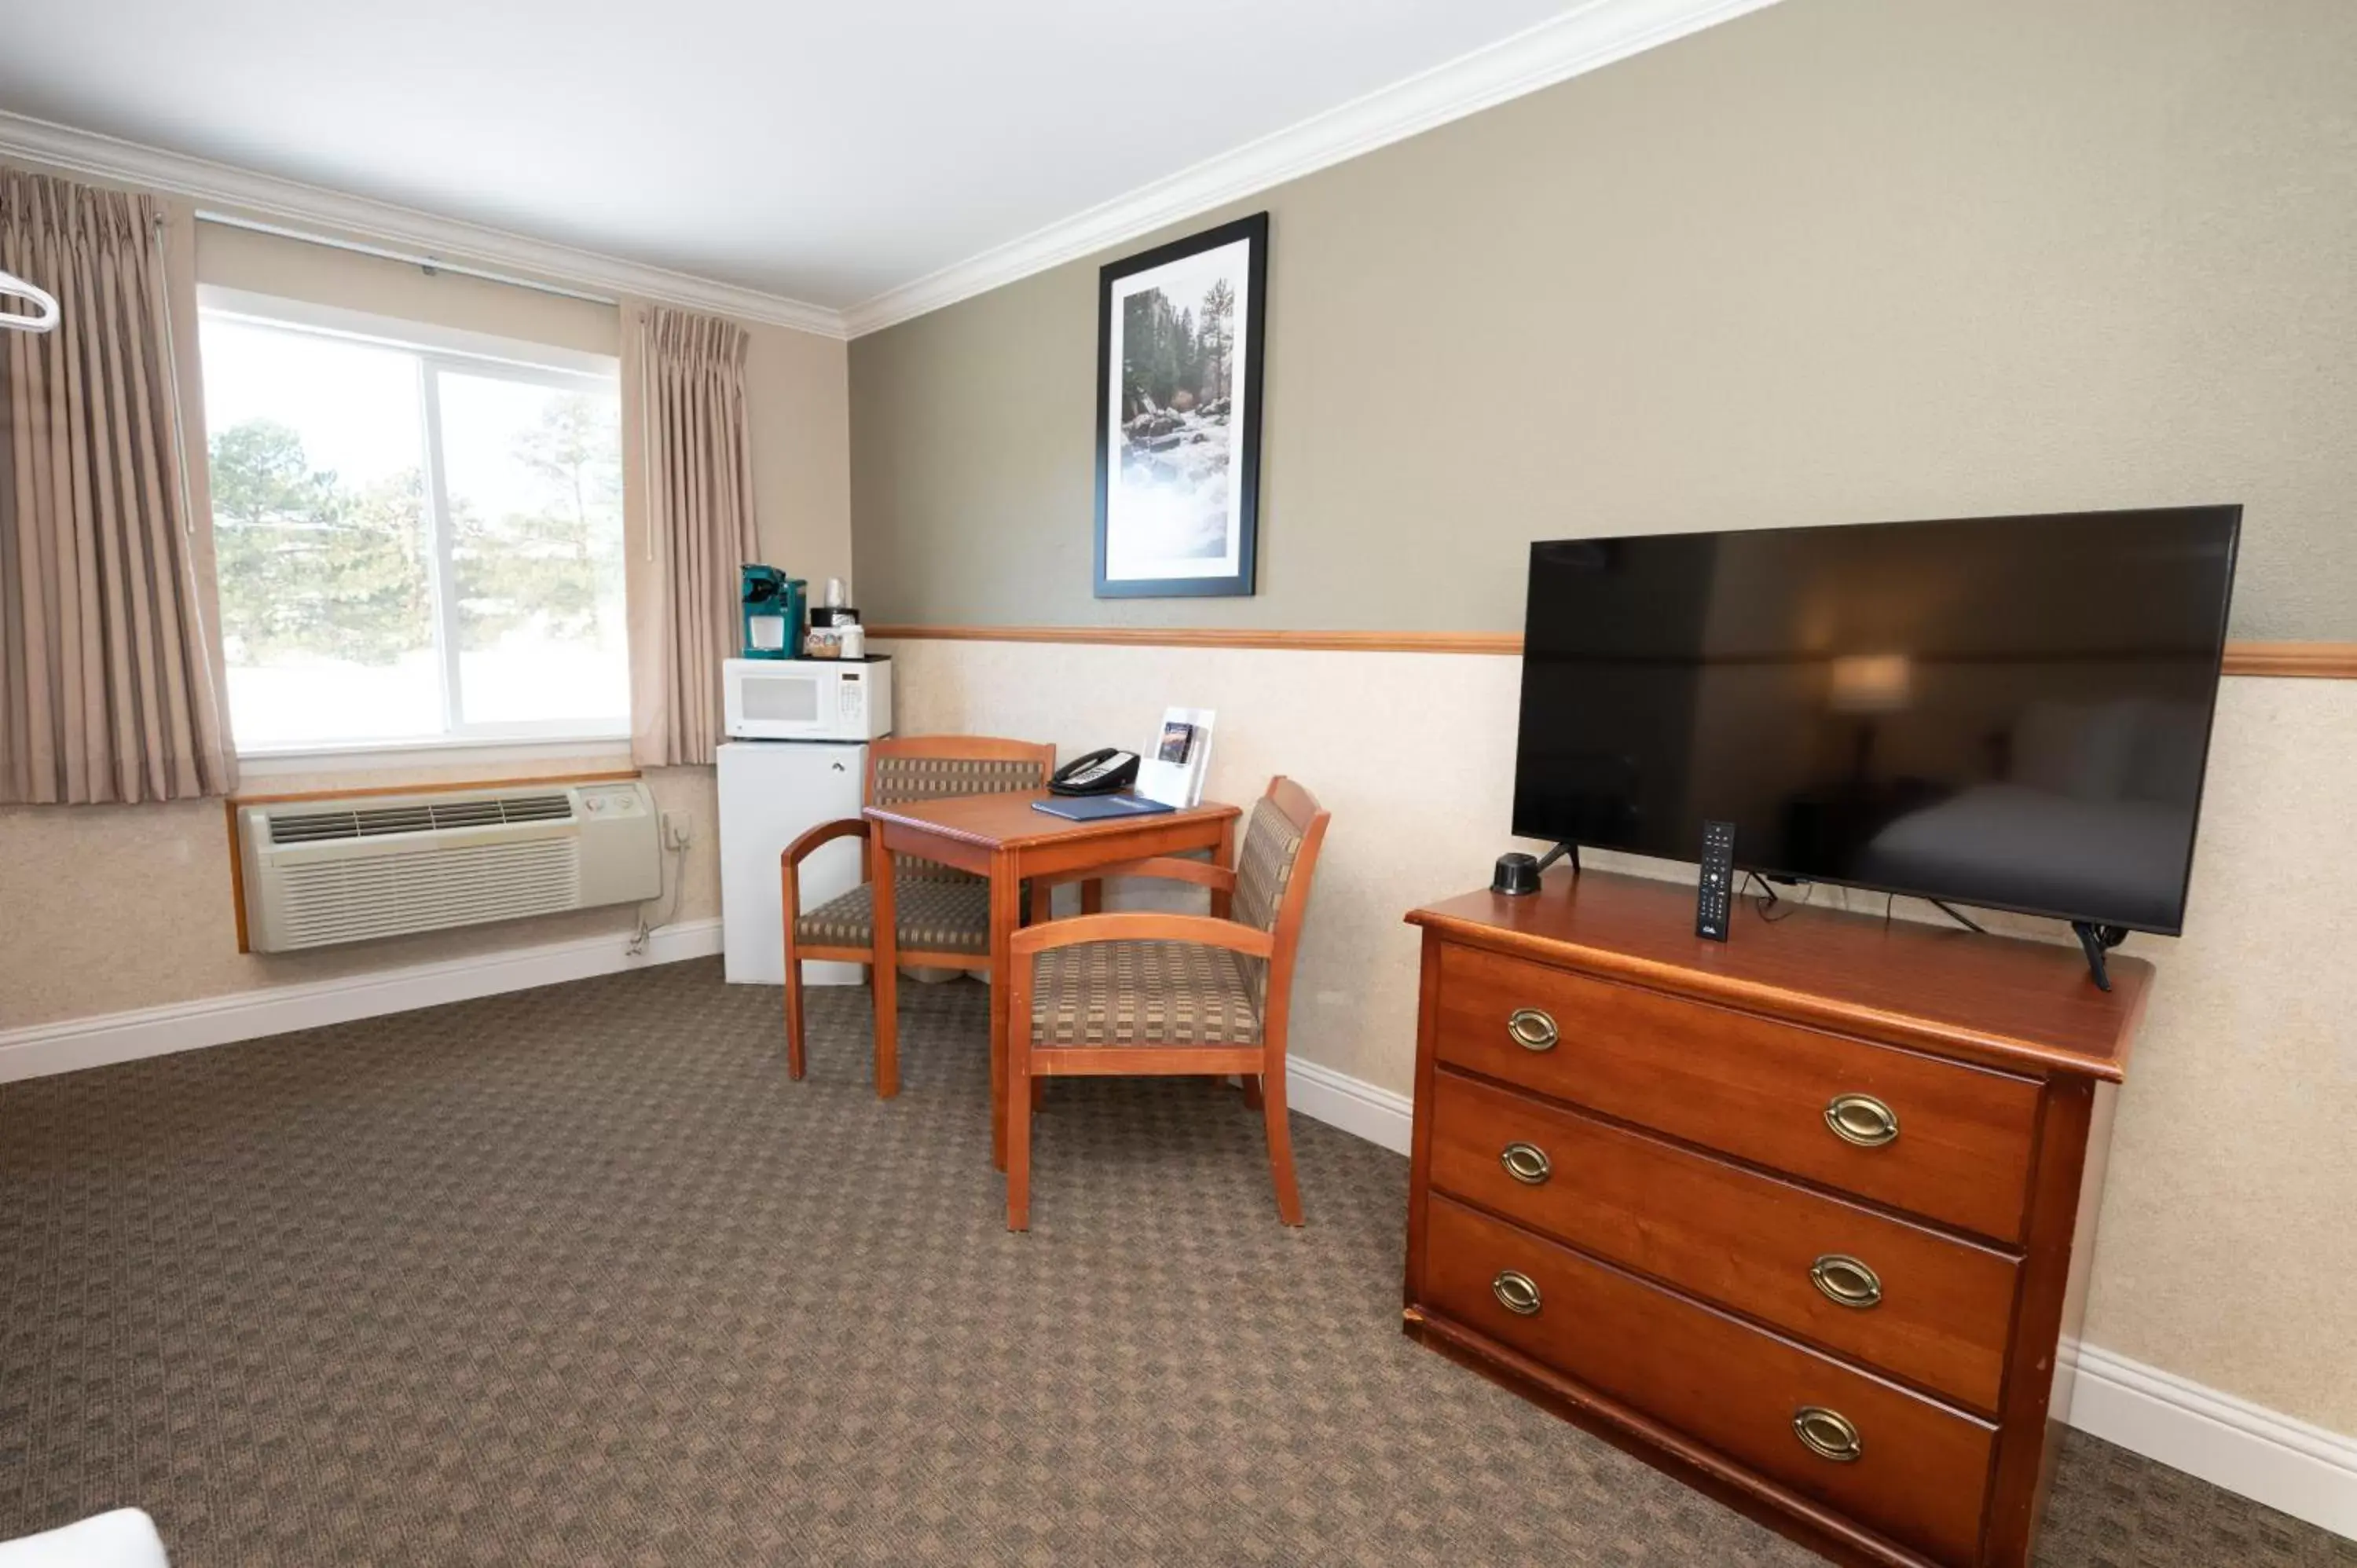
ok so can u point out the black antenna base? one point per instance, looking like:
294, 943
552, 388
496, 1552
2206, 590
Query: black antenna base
1518, 874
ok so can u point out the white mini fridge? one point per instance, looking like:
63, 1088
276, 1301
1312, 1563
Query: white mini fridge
772, 792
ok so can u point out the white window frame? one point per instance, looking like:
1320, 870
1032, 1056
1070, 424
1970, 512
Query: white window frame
437, 349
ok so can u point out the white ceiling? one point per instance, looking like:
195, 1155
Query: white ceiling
823, 153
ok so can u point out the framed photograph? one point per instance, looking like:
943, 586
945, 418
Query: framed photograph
1178, 340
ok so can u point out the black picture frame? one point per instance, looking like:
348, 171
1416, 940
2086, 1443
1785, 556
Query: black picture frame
1243, 425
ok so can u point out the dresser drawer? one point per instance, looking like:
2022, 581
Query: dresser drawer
1755, 1088
1919, 1470
1916, 1304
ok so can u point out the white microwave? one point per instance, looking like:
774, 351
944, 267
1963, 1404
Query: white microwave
808, 699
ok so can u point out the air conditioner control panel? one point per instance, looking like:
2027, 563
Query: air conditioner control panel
621, 860
610, 801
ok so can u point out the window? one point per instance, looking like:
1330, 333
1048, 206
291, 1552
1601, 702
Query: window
418, 533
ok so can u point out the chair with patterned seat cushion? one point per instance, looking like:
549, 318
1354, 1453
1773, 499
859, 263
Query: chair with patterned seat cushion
1165, 994
942, 914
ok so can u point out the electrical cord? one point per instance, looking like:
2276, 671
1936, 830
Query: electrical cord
1940, 904
644, 932
1966, 921
1766, 899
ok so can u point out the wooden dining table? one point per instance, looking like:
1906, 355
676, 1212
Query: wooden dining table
1002, 839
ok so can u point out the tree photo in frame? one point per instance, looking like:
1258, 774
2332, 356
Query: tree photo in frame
1178, 355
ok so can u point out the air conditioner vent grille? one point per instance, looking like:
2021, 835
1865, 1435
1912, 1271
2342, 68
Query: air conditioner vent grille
378, 821
382, 895
313, 826
456, 815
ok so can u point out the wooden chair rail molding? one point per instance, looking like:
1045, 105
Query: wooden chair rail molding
1222, 636
2321, 660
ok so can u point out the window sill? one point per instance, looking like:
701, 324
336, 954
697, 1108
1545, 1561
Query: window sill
279, 762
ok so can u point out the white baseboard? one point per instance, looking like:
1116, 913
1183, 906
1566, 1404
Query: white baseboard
1356, 1106
2287, 1465
39, 1049
2294, 1467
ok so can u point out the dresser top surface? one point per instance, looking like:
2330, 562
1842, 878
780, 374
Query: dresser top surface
1997, 1000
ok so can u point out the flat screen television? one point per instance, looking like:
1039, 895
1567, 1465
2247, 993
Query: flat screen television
2010, 712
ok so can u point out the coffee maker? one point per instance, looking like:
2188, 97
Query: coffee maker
771, 610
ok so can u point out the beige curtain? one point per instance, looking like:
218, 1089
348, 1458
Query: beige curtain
688, 523
110, 666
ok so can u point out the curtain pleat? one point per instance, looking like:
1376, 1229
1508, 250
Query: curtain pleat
109, 688
689, 522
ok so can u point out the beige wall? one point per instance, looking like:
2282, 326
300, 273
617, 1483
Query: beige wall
107, 908
798, 402
2232, 1161
1839, 260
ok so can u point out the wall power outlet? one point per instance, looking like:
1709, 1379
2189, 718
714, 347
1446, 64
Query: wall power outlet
678, 829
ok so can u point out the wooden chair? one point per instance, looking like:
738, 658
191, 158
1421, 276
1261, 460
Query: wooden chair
1170, 994
942, 913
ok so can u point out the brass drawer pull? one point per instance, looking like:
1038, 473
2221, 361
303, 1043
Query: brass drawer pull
1532, 1030
1827, 1434
1863, 1120
1846, 1280
1517, 1293
1526, 1162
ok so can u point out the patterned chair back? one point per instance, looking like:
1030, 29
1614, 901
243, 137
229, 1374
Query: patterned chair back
898, 779
1264, 873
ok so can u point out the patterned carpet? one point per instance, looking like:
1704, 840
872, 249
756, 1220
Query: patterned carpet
576, 1276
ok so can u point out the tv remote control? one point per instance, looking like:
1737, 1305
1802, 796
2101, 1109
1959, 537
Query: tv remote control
1716, 895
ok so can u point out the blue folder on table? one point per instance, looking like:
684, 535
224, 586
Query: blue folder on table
1098, 808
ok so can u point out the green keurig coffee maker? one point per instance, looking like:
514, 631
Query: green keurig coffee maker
773, 608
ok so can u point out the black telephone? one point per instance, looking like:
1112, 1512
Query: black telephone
1100, 772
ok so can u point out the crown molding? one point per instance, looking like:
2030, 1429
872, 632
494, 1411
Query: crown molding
1587, 37
1594, 34
246, 194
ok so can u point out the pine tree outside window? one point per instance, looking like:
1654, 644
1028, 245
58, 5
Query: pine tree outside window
418, 533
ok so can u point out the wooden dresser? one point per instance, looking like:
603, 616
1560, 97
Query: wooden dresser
1800, 1218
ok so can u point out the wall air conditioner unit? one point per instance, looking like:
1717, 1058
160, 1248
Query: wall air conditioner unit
321, 872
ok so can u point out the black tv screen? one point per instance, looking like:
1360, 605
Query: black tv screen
2012, 712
